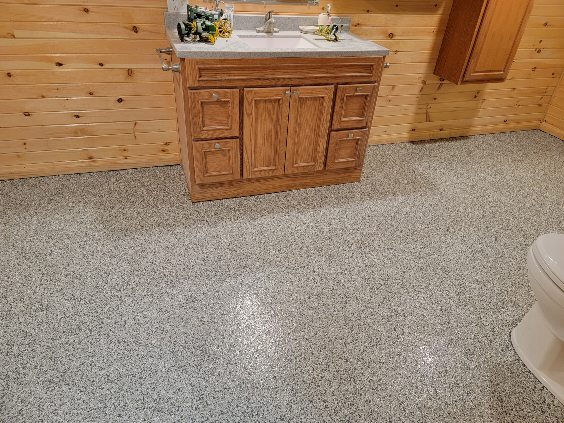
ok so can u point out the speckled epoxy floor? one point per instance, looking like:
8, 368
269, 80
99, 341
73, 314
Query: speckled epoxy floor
385, 301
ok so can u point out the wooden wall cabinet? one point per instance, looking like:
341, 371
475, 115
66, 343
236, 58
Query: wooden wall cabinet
481, 39
253, 126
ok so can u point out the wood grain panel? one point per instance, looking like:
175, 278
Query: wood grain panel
347, 149
353, 105
413, 105
265, 129
216, 161
270, 184
460, 33
82, 89
554, 121
497, 40
308, 130
281, 71
214, 113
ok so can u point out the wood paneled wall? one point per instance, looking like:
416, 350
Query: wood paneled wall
82, 89
554, 121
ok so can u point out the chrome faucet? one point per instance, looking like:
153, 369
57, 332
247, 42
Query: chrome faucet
268, 27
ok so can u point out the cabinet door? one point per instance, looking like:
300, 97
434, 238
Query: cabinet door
354, 105
266, 113
347, 149
497, 41
216, 161
308, 130
214, 113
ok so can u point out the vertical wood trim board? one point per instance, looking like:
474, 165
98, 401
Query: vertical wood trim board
554, 121
82, 90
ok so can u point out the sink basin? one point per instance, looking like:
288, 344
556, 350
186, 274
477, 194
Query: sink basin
272, 42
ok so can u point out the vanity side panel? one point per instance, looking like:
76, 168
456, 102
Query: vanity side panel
182, 126
461, 31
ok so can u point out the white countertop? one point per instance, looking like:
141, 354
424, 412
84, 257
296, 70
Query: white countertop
235, 47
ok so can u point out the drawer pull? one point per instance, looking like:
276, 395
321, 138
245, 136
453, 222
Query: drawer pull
288, 93
359, 89
215, 96
217, 146
351, 135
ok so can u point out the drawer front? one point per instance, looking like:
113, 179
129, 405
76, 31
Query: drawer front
281, 71
354, 106
347, 149
216, 161
214, 113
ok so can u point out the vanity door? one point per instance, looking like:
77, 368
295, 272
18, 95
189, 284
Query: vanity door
308, 129
266, 113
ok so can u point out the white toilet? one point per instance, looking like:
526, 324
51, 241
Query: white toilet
539, 338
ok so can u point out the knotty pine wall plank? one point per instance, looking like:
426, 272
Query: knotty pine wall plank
95, 59
554, 120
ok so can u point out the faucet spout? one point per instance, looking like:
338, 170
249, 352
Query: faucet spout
268, 27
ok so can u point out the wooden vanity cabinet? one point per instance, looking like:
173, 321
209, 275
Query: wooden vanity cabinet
257, 130
481, 40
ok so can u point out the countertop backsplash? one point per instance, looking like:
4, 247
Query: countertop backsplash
176, 5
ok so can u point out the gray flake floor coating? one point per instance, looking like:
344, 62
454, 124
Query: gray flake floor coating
385, 301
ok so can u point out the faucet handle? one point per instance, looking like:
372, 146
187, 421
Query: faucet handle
268, 15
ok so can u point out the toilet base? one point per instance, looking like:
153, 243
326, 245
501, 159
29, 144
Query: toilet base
541, 351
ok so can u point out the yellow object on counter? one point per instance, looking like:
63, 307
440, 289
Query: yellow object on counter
224, 28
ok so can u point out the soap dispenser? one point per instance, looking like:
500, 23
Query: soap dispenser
324, 18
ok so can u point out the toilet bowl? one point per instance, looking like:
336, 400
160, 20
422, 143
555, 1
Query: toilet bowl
539, 338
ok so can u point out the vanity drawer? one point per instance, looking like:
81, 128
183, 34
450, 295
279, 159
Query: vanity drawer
354, 106
281, 71
214, 113
216, 161
347, 149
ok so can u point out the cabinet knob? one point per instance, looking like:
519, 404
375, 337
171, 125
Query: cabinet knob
296, 92
215, 96
359, 89
288, 92
351, 135
217, 146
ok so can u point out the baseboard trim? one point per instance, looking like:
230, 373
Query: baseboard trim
552, 130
